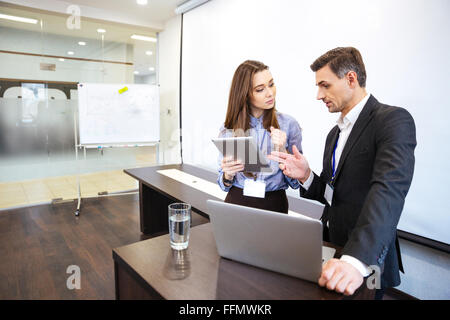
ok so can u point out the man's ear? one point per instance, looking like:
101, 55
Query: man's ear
352, 79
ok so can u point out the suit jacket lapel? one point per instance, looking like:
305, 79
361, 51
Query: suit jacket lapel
358, 128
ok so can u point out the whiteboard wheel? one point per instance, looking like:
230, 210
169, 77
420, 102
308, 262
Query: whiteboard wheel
77, 213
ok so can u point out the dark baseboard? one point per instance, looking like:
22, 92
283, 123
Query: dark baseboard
424, 241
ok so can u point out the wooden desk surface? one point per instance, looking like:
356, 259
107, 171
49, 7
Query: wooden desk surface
178, 191
199, 273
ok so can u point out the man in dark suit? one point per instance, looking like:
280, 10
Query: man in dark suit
368, 166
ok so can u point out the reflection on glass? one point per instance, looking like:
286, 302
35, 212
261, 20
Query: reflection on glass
178, 265
30, 101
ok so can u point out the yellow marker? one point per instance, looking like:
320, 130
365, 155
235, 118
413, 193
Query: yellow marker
123, 90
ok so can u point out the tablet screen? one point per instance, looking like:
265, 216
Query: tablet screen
245, 150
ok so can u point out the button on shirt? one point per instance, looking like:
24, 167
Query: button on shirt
345, 124
275, 180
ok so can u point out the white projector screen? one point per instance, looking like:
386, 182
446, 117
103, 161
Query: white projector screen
405, 45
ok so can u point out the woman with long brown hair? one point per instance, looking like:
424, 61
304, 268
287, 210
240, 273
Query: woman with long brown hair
251, 112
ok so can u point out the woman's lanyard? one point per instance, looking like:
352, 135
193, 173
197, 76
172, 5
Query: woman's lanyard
259, 176
254, 188
262, 141
255, 175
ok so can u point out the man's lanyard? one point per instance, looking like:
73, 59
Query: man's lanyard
334, 161
329, 188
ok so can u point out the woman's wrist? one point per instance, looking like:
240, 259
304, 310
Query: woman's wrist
227, 180
280, 148
228, 176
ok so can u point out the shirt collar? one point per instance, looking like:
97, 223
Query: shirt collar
254, 121
352, 115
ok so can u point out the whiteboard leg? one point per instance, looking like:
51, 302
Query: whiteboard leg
157, 153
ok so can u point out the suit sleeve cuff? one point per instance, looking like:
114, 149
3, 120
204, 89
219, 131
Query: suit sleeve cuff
362, 268
308, 181
293, 183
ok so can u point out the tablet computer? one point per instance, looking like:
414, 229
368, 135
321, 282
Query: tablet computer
245, 150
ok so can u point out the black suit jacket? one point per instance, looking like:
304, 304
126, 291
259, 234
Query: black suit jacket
371, 182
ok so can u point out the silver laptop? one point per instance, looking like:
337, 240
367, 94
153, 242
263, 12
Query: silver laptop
291, 245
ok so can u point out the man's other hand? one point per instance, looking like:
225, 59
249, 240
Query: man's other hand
341, 277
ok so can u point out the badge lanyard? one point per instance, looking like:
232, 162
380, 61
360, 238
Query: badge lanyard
260, 148
255, 188
255, 175
329, 190
334, 161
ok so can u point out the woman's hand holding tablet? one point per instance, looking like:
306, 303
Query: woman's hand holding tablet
230, 167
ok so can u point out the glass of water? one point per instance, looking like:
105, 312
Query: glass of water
179, 225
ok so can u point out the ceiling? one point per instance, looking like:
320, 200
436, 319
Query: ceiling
153, 15
156, 13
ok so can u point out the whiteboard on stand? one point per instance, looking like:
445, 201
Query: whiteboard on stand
111, 114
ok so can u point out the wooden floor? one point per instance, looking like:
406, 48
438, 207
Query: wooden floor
44, 190
32, 192
38, 244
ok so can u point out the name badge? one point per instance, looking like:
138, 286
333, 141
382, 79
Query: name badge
254, 188
328, 193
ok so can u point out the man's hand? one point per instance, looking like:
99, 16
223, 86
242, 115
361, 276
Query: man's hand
341, 277
294, 165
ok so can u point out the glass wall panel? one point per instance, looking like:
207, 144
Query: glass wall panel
40, 66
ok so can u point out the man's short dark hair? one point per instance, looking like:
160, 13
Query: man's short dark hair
341, 61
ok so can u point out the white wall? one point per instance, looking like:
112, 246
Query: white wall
169, 80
